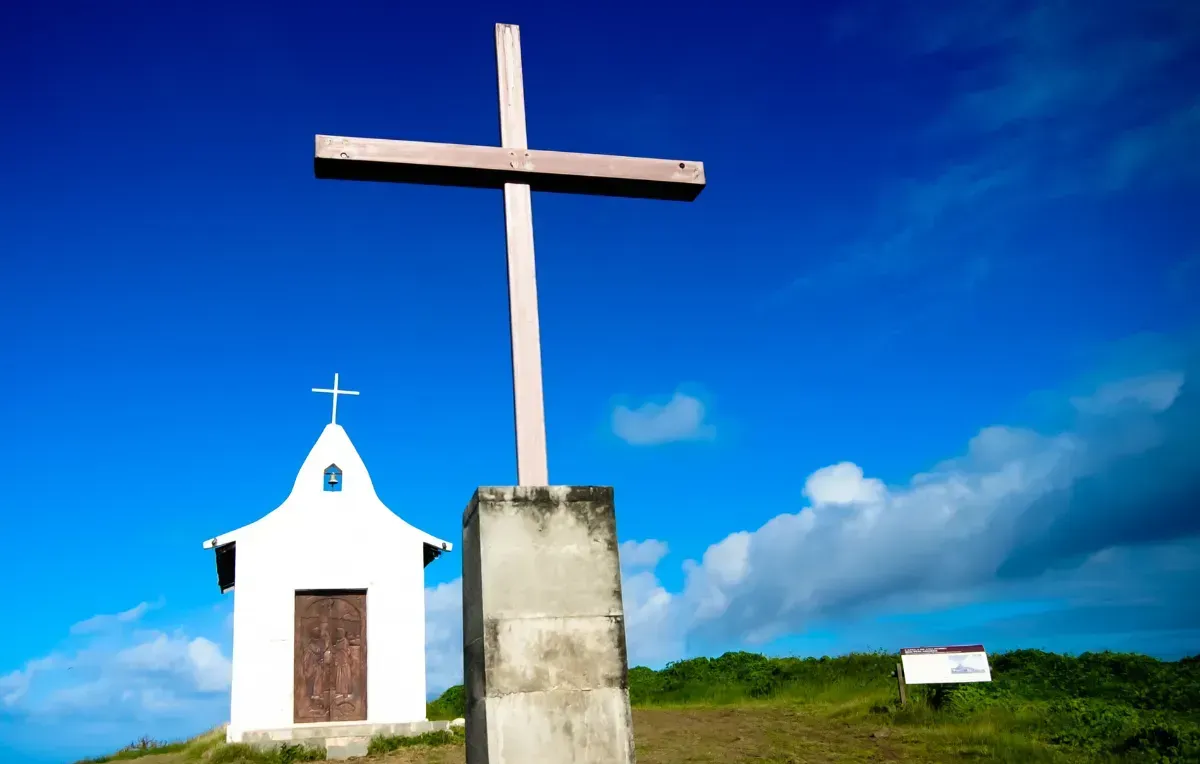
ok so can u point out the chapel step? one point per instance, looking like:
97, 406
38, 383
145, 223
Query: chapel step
341, 741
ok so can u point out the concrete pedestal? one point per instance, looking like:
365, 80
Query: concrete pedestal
544, 660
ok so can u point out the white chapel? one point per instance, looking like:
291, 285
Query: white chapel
329, 603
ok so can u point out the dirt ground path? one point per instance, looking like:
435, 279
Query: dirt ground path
728, 736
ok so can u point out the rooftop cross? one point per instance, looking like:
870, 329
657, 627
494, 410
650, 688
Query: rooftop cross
336, 392
517, 169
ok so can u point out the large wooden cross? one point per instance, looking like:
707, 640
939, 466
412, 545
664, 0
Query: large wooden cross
517, 169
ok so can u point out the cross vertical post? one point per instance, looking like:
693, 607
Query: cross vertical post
335, 392
528, 404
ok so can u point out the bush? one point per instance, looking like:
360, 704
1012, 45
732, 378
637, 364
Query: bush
1099, 706
451, 705
381, 744
731, 677
237, 753
741, 675
1162, 741
293, 753
241, 753
1091, 725
1135, 680
1019, 677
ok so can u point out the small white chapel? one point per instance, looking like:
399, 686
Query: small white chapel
329, 604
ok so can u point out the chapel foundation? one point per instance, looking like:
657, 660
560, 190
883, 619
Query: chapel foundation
544, 659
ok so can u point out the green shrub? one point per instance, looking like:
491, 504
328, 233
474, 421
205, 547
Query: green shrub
452, 704
969, 699
1091, 707
1019, 677
242, 753
1091, 725
1136, 680
238, 753
381, 744
1162, 741
288, 754
741, 675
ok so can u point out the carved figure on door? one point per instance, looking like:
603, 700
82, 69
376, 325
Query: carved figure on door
311, 666
342, 669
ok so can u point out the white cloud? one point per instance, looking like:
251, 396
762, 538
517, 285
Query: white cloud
443, 636
198, 661
1154, 391
1017, 496
681, 418
842, 483
642, 554
121, 682
1019, 507
15, 684
105, 621
652, 636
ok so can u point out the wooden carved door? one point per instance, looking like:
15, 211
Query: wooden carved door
331, 656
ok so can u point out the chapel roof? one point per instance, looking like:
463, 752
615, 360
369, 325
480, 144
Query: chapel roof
333, 448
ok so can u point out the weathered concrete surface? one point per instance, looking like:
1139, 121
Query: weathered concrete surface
346, 747
341, 740
544, 659
341, 729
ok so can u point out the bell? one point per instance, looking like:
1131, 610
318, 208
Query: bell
333, 478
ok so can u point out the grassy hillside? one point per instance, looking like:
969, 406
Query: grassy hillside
1042, 707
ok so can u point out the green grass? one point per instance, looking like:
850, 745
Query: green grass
1039, 707
450, 706
381, 744
144, 747
211, 748
240, 753
147, 746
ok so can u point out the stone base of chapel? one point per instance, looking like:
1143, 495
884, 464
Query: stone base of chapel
341, 740
544, 659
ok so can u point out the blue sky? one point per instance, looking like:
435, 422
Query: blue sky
919, 365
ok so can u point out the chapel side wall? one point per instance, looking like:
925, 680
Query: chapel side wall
396, 637
262, 642
237, 679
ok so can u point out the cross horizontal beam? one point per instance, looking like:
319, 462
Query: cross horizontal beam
451, 164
